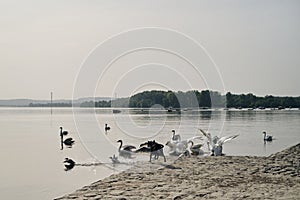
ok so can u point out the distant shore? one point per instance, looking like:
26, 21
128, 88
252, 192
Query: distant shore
228, 177
168, 99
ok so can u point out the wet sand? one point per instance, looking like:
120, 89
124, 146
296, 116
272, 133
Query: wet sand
228, 177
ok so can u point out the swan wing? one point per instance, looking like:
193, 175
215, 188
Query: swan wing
143, 149
203, 132
128, 147
194, 138
171, 145
159, 146
225, 139
207, 135
197, 146
69, 140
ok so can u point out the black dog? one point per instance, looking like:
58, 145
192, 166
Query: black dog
155, 149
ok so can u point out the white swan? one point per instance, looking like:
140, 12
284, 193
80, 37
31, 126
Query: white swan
215, 144
195, 149
175, 138
191, 150
267, 137
126, 150
177, 148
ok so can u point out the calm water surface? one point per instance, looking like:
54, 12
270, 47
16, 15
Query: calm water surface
31, 158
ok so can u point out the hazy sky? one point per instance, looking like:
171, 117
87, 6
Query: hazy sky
255, 44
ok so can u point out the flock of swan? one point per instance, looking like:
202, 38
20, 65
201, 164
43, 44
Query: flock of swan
177, 146
180, 148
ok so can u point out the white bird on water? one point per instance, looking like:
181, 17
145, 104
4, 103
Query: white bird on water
126, 150
215, 144
267, 137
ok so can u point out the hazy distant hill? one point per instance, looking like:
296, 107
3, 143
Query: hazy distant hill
80, 100
26, 102
20, 102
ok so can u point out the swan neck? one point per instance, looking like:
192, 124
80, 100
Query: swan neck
121, 143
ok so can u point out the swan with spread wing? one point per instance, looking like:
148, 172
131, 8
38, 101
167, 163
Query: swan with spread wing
215, 144
177, 148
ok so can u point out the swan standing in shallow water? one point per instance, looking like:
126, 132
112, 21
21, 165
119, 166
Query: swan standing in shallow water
215, 144
175, 138
267, 137
126, 150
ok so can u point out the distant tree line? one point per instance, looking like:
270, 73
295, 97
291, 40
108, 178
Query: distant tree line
102, 104
252, 101
49, 105
116, 103
189, 99
179, 99
210, 99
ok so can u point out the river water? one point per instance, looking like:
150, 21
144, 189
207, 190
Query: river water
31, 155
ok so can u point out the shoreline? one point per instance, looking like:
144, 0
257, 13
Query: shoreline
227, 177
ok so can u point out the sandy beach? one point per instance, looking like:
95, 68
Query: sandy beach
228, 177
